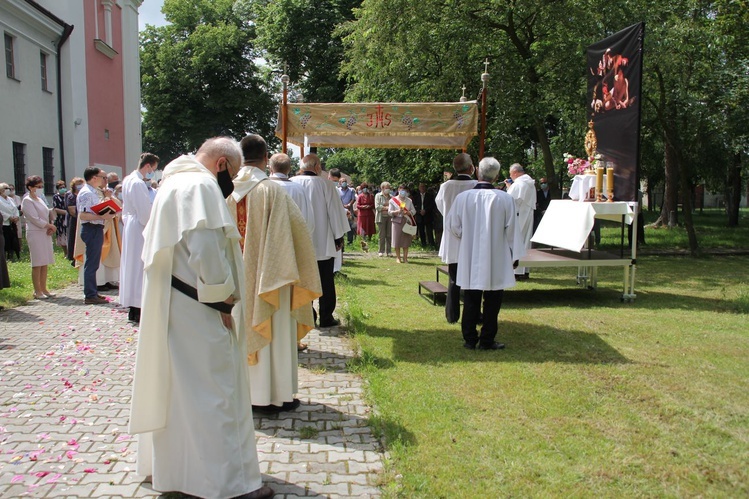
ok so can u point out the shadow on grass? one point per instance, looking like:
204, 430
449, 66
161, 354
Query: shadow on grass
525, 343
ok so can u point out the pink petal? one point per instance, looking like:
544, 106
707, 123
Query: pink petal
16, 479
54, 478
90, 470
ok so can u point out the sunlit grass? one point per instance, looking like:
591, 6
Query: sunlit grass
59, 275
591, 397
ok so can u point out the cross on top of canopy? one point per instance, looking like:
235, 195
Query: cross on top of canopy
433, 125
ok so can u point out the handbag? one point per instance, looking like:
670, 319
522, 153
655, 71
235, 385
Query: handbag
409, 229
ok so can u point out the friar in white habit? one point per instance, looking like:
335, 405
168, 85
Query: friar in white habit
280, 166
483, 221
191, 402
281, 279
136, 211
462, 181
523, 191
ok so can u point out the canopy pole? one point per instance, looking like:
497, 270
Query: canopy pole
284, 111
464, 99
484, 89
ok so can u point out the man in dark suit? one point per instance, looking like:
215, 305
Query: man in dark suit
425, 206
543, 198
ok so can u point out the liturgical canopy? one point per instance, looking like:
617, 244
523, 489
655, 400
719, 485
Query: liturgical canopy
433, 125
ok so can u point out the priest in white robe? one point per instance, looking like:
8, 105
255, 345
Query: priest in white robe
483, 221
523, 191
136, 211
191, 397
331, 224
281, 279
462, 181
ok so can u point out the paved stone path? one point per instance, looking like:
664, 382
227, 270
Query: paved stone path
65, 375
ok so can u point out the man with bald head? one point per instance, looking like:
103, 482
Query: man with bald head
191, 404
461, 181
280, 167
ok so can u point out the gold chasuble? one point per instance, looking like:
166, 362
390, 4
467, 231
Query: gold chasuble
277, 252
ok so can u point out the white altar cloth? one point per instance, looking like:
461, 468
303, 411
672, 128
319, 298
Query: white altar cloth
566, 224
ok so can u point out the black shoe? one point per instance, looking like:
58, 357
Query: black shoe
290, 406
469, 346
333, 323
275, 409
493, 346
103, 287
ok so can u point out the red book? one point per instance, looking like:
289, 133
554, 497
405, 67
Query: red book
107, 206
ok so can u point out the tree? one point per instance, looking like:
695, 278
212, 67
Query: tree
199, 78
301, 34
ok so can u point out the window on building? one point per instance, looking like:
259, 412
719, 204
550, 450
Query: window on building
48, 168
43, 62
19, 166
10, 65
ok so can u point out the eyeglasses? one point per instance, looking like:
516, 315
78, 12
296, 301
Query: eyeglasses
102, 176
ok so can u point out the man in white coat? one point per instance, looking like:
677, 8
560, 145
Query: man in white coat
191, 402
483, 220
281, 279
331, 224
136, 211
523, 191
462, 181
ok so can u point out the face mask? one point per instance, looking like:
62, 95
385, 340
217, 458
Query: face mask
365, 190
78, 187
402, 193
225, 183
112, 185
544, 186
344, 185
119, 196
386, 191
63, 190
149, 175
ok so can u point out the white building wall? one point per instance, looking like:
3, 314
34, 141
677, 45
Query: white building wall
28, 114
74, 88
131, 75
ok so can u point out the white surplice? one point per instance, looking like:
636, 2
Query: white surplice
445, 197
299, 195
523, 191
136, 211
191, 393
331, 222
483, 222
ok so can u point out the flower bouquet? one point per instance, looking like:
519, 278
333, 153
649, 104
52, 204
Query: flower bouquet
576, 166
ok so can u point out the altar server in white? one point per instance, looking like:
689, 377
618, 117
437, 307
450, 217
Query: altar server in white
483, 221
281, 279
136, 211
463, 166
331, 224
191, 395
523, 191
280, 166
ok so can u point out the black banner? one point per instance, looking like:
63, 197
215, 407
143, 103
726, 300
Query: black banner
614, 97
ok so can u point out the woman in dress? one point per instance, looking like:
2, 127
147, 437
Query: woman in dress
365, 222
39, 232
4, 277
58, 206
401, 209
72, 217
382, 218
10, 213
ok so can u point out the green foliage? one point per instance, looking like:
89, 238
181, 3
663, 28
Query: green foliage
59, 275
199, 78
301, 34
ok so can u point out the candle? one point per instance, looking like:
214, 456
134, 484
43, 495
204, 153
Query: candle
599, 183
610, 179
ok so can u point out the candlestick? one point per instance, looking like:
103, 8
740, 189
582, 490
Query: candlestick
610, 183
599, 184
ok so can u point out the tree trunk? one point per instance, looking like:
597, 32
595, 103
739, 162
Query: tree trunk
733, 191
671, 194
551, 174
686, 201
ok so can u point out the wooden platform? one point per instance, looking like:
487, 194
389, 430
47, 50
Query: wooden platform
550, 257
432, 288
441, 269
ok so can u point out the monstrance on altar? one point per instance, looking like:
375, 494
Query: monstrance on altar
590, 174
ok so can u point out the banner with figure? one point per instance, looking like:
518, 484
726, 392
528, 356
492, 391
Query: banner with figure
615, 97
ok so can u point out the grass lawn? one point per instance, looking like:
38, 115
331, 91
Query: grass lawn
59, 275
592, 397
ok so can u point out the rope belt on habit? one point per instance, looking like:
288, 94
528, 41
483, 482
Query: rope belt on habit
188, 290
